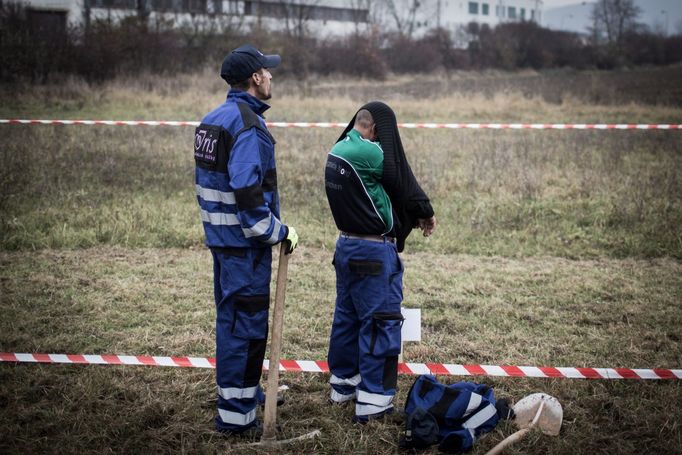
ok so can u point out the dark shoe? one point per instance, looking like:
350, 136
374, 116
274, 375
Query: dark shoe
252, 432
379, 415
340, 403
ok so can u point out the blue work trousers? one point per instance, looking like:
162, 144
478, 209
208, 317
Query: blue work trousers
365, 337
242, 295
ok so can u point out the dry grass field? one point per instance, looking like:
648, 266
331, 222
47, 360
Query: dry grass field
558, 248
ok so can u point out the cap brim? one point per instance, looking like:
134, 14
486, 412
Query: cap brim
271, 61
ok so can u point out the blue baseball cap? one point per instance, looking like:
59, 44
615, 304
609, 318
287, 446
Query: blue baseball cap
242, 62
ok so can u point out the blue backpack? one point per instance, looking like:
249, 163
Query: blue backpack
452, 416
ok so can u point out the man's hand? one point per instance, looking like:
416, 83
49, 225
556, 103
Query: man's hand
427, 225
291, 239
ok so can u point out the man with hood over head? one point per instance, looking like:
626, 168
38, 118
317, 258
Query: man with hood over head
376, 202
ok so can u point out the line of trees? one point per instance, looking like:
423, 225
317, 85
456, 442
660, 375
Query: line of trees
106, 48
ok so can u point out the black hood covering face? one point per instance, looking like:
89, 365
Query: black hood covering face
410, 203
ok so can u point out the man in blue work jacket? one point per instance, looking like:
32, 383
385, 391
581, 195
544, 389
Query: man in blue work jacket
236, 186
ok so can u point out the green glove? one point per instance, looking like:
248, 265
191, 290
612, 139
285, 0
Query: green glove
292, 240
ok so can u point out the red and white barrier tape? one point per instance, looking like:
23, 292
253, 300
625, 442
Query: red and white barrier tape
476, 126
312, 366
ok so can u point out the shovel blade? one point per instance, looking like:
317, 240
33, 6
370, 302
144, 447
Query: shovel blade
551, 416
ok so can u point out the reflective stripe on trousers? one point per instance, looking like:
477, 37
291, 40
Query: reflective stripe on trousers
355, 380
235, 418
337, 397
374, 398
369, 409
228, 393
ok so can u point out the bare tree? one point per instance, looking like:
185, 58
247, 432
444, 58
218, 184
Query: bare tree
362, 13
404, 14
296, 16
613, 19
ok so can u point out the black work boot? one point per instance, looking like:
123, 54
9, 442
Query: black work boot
251, 433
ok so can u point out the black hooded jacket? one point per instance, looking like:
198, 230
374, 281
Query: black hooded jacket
409, 201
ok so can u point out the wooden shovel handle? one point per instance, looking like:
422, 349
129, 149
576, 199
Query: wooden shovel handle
512, 438
270, 413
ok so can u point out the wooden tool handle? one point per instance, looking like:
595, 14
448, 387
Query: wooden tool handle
270, 414
512, 438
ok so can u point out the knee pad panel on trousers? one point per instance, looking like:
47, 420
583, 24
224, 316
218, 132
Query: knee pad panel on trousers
390, 378
254, 362
251, 323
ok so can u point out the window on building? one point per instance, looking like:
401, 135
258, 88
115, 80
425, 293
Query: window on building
303, 11
511, 12
194, 6
123, 4
473, 7
523, 14
233, 7
532, 14
485, 9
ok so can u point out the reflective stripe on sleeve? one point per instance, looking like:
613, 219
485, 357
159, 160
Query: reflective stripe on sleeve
275, 233
355, 380
227, 393
259, 228
480, 417
236, 418
217, 219
374, 398
474, 403
210, 195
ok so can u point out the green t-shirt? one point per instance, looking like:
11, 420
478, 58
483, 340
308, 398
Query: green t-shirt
367, 158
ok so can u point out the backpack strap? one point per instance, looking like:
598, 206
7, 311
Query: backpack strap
440, 408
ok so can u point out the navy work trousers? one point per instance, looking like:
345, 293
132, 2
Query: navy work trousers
242, 295
365, 337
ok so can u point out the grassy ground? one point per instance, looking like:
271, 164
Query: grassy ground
554, 248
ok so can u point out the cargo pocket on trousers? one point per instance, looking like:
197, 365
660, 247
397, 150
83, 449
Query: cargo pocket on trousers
251, 323
251, 317
386, 334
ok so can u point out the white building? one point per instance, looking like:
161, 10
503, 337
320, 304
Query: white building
319, 17
335, 17
452, 14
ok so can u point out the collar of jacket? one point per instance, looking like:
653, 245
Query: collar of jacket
254, 103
